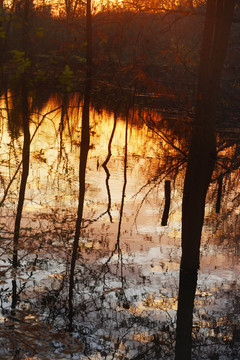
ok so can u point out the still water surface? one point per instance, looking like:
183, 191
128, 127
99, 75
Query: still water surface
138, 284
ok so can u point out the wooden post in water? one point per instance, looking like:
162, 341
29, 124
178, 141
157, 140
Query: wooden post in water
219, 194
167, 202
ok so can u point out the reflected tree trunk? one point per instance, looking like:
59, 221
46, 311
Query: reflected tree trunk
124, 183
219, 194
25, 171
117, 245
33, 136
64, 116
104, 165
84, 148
25, 113
202, 156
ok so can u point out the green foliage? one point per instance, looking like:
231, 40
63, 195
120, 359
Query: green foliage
66, 78
21, 62
78, 59
41, 76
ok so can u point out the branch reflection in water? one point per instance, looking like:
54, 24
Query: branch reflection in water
84, 148
134, 308
104, 165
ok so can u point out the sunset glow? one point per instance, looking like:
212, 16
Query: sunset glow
58, 7
119, 179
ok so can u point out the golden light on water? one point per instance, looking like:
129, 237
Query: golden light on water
55, 154
152, 304
53, 178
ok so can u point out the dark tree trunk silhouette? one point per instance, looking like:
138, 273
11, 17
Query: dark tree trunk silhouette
24, 110
219, 194
25, 171
118, 245
70, 8
5, 23
167, 189
202, 152
202, 155
84, 148
1, 46
26, 39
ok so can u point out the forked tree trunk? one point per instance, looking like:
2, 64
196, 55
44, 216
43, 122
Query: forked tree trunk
201, 162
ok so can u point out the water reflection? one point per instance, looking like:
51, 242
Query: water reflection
128, 309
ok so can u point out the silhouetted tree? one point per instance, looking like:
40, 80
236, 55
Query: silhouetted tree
71, 7
202, 156
85, 138
24, 110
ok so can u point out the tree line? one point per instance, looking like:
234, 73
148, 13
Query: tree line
153, 51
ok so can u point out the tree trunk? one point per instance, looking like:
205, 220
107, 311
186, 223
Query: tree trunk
202, 152
1, 46
25, 171
24, 109
201, 162
167, 202
85, 139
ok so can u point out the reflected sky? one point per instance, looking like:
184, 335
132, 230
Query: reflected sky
53, 178
150, 253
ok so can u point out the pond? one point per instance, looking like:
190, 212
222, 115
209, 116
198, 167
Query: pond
127, 269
